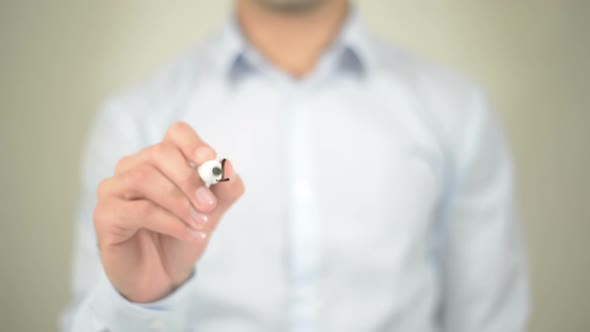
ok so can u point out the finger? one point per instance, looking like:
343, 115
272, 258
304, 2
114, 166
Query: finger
147, 182
190, 144
118, 220
227, 194
168, 159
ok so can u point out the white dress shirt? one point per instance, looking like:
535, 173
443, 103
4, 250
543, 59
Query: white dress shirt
379, 196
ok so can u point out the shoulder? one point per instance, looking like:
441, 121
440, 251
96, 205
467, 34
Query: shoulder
454, 109
148, 105
173, 80
452, 104
434, 83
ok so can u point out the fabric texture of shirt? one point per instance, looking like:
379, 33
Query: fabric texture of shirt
379, 196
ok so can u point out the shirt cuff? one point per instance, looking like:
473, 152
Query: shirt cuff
115, 313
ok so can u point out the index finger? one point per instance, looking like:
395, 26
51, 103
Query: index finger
189, 143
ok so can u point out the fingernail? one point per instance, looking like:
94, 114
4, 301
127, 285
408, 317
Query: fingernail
204, 153
197, 235
205, 198
199, 219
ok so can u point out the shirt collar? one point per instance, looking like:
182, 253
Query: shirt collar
351, 50
353, 45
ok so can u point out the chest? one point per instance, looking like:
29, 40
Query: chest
371, 164
371, 169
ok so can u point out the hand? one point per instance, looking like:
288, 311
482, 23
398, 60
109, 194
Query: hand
154, 217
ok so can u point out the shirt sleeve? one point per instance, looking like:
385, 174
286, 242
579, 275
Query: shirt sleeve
96, 305
484, 265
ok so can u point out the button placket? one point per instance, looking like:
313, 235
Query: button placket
303, 226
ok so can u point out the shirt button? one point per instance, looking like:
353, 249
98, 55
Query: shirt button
158, 325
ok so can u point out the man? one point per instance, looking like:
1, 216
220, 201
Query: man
379, 192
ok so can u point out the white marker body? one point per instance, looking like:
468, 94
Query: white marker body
206, 172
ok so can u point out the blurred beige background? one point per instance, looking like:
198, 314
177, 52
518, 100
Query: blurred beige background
59, 59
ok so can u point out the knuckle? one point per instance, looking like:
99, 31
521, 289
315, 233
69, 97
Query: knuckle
142, 209
177, 128
160, 151
101, 189
122, 164
99, 217
140, 175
